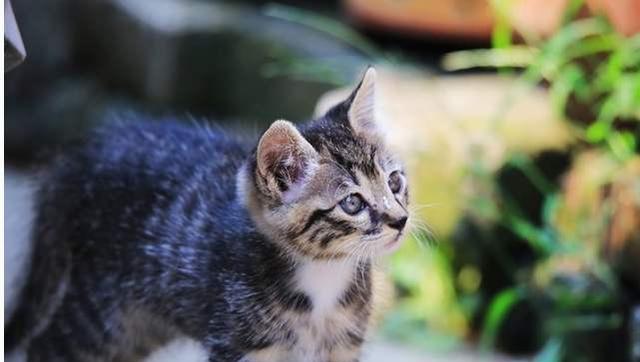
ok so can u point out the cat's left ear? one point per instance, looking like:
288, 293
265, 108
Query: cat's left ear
362, 107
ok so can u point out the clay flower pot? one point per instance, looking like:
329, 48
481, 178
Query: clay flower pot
474, 19
467, 19
543, 17
623, 14
539, 17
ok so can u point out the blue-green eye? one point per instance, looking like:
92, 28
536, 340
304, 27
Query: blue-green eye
352, 204
395, 182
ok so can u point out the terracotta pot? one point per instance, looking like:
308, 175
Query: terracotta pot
474, 19
543, 17
468, 19
623, 14
538, 17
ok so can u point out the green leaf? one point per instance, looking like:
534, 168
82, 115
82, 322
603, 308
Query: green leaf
516, 56
572, 11
551, 352
605, 43
533, 173
499, 309
541, 240
610, 71
569, 81
580, 323
550, 207
501, 37
622, 144
598, 131
326, 25
557, 51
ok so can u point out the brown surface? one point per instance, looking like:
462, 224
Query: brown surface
471, 19
624, 14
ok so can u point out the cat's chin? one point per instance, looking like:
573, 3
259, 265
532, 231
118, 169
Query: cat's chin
393, 244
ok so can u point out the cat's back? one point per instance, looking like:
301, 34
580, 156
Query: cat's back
128, 172
118, 207
157, 149
144, 156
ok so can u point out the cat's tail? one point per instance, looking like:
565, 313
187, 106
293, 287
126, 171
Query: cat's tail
35, 277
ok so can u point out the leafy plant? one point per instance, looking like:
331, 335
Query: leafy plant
586, 63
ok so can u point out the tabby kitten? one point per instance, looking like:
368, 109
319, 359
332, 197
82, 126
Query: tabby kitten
153, 231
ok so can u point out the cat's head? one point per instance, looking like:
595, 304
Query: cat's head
331, 188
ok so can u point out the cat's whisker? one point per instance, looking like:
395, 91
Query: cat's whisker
419, 207
420, 229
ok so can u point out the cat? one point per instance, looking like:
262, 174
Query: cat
260, 251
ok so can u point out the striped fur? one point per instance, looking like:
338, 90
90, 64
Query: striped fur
151, 231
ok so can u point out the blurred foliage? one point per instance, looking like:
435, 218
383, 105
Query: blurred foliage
585, 62
313, 69
573, 287
528, 267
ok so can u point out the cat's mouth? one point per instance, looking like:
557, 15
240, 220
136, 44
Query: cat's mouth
385, 242
394, 243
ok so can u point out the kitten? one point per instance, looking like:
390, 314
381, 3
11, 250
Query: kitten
154, 231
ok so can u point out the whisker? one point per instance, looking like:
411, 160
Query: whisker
419, 207
421, 231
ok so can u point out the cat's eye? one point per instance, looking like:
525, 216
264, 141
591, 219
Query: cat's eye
352, 204
395, 182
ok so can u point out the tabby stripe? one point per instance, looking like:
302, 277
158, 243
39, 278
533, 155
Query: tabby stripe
296, 301
83, 316
190, 204
317, 215
348, 166
402, 206
324, 242
314, 235
339, 224
369, 168
354, 338
360, 288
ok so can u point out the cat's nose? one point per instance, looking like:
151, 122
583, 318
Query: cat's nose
399, 223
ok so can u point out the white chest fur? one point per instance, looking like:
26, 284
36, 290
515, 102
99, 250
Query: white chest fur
324, 282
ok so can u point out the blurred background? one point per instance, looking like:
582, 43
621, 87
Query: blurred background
519, 121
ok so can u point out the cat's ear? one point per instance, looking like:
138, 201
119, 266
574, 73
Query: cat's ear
284, 158
362, 107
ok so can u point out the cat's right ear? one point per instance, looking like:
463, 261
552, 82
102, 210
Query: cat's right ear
285, 159
362, 106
